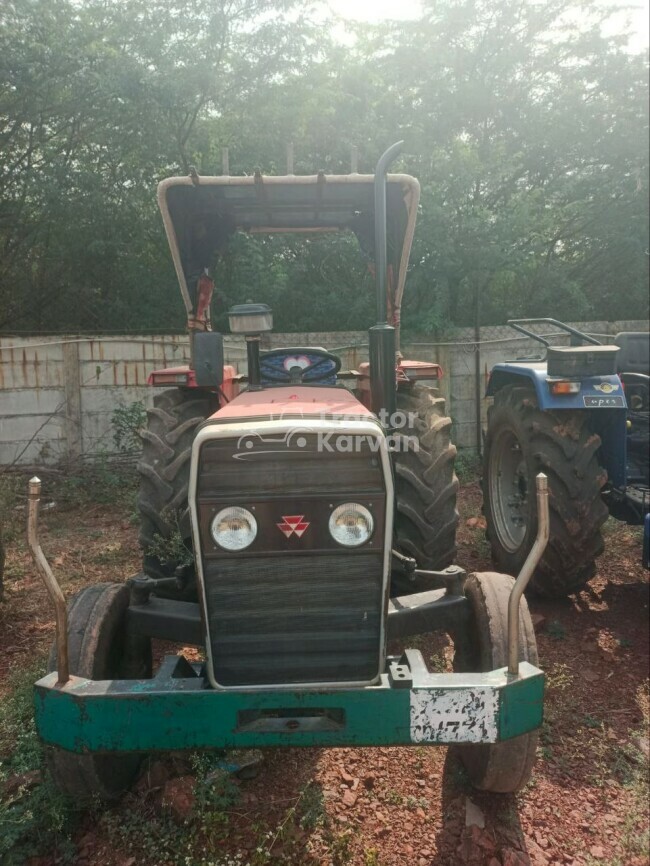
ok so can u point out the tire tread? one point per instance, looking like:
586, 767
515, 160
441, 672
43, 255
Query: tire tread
164, 471
426, 485
560, 444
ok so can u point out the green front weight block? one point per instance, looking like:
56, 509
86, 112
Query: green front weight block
177, 710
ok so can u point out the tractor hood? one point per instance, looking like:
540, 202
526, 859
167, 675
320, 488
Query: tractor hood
292, 402
202, 213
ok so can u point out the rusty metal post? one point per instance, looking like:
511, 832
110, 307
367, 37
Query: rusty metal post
53, 588
526, 573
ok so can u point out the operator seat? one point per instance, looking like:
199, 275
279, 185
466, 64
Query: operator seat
634, 352
633, 365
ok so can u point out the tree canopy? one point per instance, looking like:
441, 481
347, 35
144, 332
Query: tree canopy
526, 126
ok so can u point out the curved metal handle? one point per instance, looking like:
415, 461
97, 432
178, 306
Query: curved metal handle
526, 573
53, 588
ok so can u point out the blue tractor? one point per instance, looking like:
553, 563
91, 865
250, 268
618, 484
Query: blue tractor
580, 414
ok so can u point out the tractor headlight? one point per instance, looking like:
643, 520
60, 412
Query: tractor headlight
351, 524
234, 528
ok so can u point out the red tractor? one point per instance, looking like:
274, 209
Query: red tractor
201, 215
292, 527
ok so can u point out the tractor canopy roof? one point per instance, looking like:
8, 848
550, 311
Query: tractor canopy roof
201, 214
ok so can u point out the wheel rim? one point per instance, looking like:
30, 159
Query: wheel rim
509, 490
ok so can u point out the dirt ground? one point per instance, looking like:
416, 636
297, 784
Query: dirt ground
586, 805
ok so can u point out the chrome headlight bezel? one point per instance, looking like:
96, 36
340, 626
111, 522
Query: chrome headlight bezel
233, 544
352, 508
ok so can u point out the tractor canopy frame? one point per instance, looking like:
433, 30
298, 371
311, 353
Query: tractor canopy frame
202, 213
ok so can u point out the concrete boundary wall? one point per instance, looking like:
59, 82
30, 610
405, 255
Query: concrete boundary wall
58, 394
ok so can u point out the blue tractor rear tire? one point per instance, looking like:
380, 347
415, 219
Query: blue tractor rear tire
523, 440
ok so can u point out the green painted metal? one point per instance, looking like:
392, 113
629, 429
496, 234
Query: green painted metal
521, 706
168, 720
177, 713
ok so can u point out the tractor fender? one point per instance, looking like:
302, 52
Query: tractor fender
596, 392
602, 397
185, 377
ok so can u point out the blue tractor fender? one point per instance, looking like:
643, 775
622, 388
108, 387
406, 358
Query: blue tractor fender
603, 397
596, 392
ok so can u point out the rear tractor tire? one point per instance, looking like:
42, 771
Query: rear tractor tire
99, 649
426, 486
506, 767
164, 469
522, 440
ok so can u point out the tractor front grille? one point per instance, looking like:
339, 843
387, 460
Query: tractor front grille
297, 619
291, 609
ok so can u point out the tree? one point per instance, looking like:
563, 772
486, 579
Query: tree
532, 136
100, 102
527, 128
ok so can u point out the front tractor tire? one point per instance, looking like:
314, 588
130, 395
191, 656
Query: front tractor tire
426, 486
522, 440
164, 469
506, 767
99, 649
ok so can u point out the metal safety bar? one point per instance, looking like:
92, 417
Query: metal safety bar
53, 588
526, 573
518, 324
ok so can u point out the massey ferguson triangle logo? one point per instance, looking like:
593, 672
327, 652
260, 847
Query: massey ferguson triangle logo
293, 523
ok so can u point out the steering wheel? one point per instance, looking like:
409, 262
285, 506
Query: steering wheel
303, 358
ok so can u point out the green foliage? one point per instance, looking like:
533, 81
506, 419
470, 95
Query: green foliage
340, 848
318, 284
467, 466
127, 422
313, 811
17, 732
34, 817
151, 837
157, 836
215, 789
103, 480
529, 138
12, 494
171, 549
371, 856
559, 679
438, 663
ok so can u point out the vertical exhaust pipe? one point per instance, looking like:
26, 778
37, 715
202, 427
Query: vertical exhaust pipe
382, 335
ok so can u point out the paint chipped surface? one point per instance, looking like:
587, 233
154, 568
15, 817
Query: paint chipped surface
468, 715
